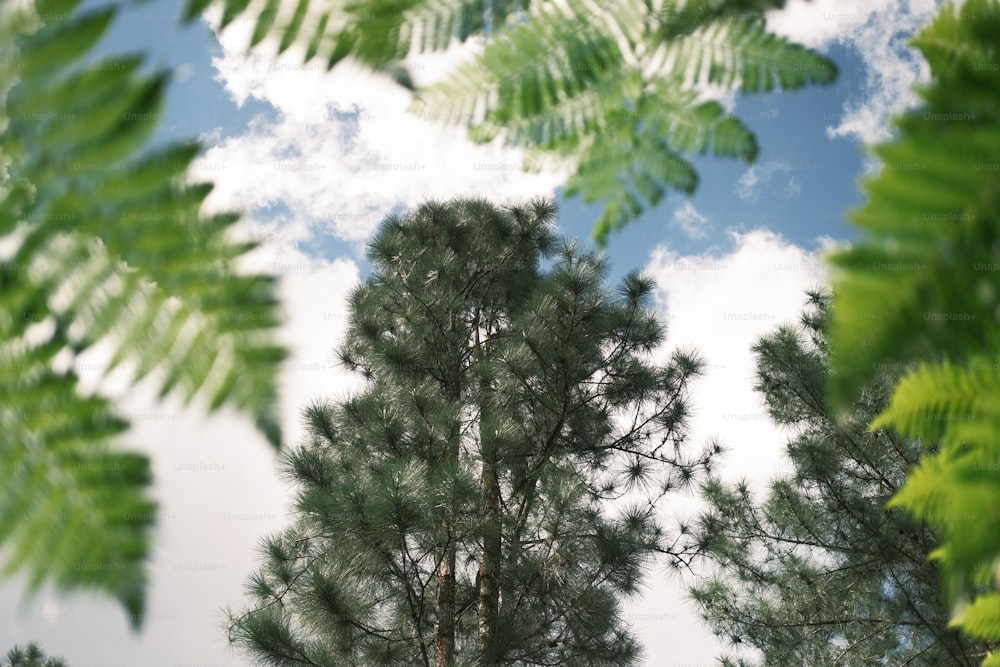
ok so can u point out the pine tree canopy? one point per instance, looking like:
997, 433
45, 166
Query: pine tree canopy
817, 571
614, 90
31, 655
490, 496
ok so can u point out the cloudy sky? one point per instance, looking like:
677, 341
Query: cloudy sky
317, 159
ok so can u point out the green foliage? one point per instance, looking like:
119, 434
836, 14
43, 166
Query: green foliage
814, 571
611, 90
378, 33
30, 656
922, 284
104, 243
505, 408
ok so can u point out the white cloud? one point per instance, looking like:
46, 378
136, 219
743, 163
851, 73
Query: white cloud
183, 72
719, 304
749, 185
343, 151
878, 30
690, 220
817, 23
794, 187
316, 301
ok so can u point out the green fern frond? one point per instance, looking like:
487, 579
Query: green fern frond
110, 247
147, 221
957, 495
513, 81
941, 399
375, 32
564, 85
553, 76
73, 511
682, 17
622, 167
670, 111
59, 44
981, 618
741, 54
925, 490
923, 283
634, 168
923, 277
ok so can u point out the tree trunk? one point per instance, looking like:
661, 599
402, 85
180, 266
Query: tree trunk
444, 640
489, 569
489, 585
516, 535
444, 637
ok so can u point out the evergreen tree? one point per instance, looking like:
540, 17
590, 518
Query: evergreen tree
819, 572
30, 656
490, 496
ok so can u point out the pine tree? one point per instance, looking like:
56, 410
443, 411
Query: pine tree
490, 496
30, 656
819, 572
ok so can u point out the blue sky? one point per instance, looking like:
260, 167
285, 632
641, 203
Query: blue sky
316, 160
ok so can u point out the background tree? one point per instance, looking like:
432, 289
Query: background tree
30, 656
613, 90
922, 283
818, 572
490, 496
102, 242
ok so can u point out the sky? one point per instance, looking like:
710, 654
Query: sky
316, 159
